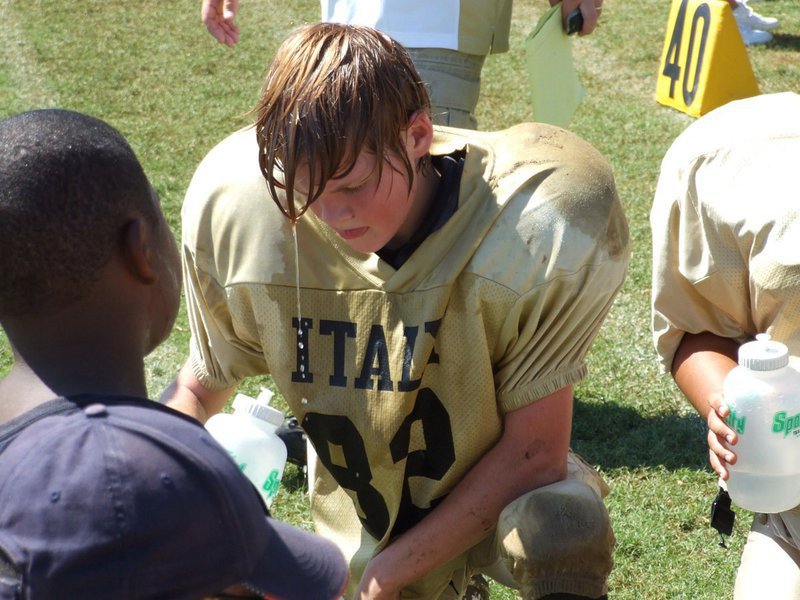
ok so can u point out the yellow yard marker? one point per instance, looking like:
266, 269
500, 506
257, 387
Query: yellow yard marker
704, 63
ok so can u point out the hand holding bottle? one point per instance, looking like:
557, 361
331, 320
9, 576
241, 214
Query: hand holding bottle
721, 438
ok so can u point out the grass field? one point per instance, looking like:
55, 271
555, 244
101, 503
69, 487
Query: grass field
150, 69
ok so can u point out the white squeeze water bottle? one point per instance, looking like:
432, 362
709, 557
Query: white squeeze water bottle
763, 394
248, 434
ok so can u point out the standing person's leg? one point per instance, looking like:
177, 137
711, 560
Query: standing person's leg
454, 82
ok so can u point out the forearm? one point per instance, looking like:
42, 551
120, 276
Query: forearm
531, 453
700, 365
467, 515
187, 395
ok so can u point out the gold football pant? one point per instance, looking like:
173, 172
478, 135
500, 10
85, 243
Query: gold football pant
770, 566
453, 80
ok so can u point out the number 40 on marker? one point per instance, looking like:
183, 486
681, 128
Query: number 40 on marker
704, 63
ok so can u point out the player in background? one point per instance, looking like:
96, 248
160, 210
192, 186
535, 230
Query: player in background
450, 285
726, 266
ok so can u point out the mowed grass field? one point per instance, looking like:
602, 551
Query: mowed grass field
151, 70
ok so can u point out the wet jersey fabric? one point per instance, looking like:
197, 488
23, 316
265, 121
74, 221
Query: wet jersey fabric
402, 377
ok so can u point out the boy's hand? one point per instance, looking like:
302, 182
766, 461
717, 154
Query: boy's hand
375, 587
719, 434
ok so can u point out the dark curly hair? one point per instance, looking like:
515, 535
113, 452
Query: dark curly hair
68, 184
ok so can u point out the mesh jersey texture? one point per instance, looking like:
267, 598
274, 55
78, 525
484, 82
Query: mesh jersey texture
726, 256
404, 376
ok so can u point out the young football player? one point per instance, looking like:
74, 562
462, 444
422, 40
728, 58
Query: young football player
426, 318
726, 266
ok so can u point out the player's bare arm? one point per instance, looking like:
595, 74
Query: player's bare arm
531, 453
187, 395
700, 365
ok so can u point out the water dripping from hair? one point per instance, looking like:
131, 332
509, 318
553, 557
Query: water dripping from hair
297, 295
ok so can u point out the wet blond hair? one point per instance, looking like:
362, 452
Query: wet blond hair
331, 91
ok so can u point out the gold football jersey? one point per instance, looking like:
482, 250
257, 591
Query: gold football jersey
726, 232
401, 378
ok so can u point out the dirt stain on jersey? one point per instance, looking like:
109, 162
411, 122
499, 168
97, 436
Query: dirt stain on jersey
574, 178
589, 199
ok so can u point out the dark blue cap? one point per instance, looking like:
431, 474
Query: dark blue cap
131, 501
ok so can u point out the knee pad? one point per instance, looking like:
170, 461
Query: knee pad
560, 528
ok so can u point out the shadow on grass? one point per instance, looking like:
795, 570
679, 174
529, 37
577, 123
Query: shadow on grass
294, 479
784, 41
613, 436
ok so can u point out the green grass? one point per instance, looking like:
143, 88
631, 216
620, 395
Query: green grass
150, 69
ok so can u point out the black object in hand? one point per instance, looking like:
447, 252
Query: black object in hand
574, 21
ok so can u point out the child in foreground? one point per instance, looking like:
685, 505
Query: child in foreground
103, 493
450, 285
